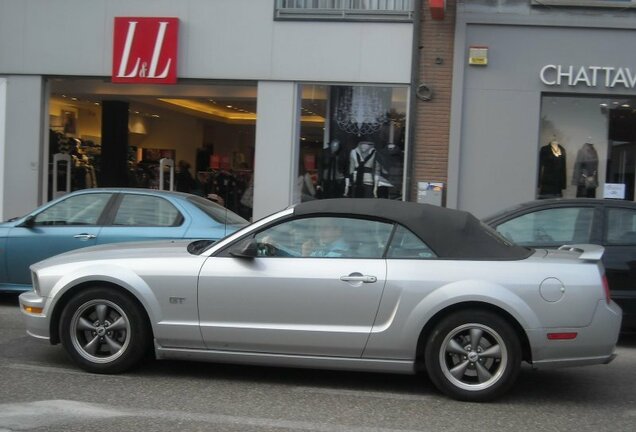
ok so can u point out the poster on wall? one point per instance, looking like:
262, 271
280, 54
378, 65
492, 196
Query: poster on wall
614, 191
155, 155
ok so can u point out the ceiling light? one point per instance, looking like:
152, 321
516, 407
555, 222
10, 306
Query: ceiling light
625, 105
229, 106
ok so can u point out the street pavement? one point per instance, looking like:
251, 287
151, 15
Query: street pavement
41, 390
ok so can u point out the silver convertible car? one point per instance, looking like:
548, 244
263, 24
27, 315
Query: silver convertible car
358, 284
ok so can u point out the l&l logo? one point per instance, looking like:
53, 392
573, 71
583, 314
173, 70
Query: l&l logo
145, 50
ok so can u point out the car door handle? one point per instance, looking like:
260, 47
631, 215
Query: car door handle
84, 237
357, 277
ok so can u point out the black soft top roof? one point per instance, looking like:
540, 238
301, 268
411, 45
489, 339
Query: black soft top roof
452, 234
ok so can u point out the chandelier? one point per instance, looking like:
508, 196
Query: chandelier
361, 110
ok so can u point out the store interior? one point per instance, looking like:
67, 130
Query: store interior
206, 129
602, 124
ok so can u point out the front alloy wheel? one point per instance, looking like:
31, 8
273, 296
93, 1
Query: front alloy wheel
104, 330
473, 356
100, 331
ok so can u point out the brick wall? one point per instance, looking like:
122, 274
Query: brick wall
432, 123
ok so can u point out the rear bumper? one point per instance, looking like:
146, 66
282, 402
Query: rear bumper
37, 324
594, 344
627, 302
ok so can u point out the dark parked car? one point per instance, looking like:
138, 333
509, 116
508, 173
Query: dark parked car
553, 222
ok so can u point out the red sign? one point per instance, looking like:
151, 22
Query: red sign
145, 50
437, 9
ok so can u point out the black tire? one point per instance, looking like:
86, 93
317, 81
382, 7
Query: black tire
473, 356
104, 331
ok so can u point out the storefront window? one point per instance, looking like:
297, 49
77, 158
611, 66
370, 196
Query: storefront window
587, 147
207, 130
352, 141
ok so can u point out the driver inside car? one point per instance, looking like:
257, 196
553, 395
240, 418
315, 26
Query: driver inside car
331, 242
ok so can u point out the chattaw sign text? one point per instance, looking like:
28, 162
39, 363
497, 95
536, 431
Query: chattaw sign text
589, 76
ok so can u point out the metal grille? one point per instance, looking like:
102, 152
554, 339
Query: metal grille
379, 10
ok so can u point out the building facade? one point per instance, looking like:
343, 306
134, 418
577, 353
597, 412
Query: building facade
267, 102
433, 90
543, 102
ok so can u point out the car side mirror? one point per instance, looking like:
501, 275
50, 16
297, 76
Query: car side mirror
245, 249
29, 222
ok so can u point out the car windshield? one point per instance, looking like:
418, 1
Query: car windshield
218, 213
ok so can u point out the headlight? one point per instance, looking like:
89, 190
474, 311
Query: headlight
35, 282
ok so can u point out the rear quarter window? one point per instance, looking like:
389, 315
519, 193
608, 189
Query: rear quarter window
620, 227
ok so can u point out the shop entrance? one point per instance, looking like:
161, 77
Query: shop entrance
103, 134
621, 164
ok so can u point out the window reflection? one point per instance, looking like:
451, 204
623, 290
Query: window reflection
76, 210
325, 237
552, 227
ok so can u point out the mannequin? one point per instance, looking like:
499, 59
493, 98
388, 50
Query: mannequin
391, 161
363, 171
551, 170
332, 170
585, 176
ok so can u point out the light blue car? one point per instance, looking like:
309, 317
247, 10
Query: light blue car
97, 216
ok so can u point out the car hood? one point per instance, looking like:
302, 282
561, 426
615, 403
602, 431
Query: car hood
146, 249
8, 224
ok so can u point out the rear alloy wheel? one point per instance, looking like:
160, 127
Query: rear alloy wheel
473, 356
103, 331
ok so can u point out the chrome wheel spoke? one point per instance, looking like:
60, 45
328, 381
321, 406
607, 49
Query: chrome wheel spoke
92, 346
84, 325
492, 352
459, 370
475, 337
120, 324
483, 374
112, 344
454, 347
101, 310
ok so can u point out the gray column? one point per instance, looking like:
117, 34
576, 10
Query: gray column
276, 153
21, 155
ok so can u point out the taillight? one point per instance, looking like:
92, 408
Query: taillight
606, 289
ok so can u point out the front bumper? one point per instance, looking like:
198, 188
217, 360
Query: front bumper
593, 344
37, 324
